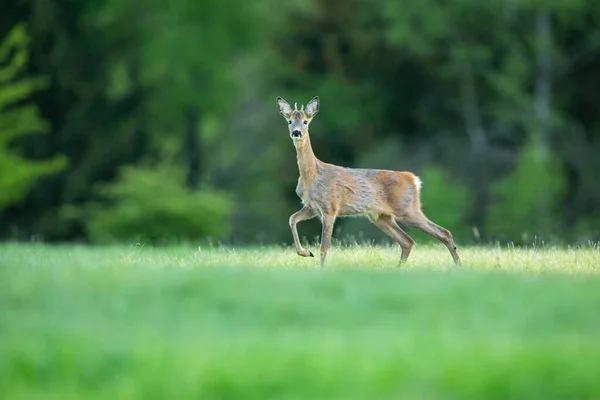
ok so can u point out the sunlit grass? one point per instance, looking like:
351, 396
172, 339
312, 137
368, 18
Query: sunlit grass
581, 259
261, 322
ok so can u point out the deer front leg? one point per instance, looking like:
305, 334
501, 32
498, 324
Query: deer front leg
302, 215
328, 222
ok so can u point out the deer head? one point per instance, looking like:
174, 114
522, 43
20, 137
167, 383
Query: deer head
298, 120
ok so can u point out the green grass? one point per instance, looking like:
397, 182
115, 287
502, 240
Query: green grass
258, 323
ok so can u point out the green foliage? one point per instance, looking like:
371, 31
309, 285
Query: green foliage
19, 118
213, 33
587, 228
444, 201
153, 206
527, 200
459, 83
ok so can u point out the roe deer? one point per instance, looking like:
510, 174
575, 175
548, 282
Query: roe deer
329, 191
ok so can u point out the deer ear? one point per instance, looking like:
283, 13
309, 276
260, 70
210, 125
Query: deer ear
283, 107
312, 108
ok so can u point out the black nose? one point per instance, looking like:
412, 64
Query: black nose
296, 133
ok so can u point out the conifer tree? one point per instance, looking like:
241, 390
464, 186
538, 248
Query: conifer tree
18, 118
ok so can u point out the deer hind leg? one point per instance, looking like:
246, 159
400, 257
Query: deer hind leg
302, 215
387, 224
416, 219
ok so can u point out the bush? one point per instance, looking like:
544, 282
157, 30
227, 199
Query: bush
587, 229
153, 206
527, 200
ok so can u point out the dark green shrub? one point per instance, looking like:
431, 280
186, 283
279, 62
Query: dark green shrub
527, 200
153, 206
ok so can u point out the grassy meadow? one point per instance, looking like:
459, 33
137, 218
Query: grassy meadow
134, 322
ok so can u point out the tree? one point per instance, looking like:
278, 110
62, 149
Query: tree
92, 120
19, 118
190, 65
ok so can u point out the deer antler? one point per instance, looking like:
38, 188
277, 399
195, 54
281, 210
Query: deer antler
295, 106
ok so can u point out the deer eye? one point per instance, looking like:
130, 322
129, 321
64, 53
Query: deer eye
290, 122
305, 122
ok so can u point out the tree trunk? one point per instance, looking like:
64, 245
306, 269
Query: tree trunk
470, 108
193, 148
474, 127
139, 142
542, 105
543, 82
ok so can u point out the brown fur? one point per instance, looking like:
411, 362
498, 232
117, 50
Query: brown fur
330, 191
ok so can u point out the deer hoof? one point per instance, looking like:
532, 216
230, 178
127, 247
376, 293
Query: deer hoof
305, 253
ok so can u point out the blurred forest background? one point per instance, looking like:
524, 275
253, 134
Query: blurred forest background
153, 121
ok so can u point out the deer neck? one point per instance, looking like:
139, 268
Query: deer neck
307, 162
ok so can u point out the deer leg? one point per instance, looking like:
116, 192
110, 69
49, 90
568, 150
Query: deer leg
420, 221
328, 222
387, 224
302, 215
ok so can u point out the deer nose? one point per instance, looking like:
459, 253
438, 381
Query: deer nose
296, 133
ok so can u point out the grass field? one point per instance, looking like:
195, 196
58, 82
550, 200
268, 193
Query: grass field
186, 322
